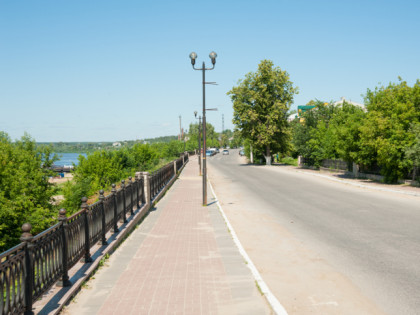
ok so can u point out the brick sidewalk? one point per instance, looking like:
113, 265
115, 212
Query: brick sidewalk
180, 260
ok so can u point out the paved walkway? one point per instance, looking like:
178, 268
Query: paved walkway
180, 260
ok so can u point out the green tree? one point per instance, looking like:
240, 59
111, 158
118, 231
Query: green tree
313, 137
413, 152
237, 139
346, 124
102, 168
261, 102
211, 137
25, 193
385, 133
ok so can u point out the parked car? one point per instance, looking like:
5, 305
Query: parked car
241, 152
209, 153
225, 152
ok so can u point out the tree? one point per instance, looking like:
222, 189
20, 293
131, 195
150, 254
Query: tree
314, 137
385, 132
261, 102
413, 152
237, 140
211, 137
346, 123
25, 193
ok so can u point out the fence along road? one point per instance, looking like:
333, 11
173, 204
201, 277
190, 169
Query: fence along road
41, 262
323, 247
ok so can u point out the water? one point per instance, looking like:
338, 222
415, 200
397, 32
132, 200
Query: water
67, 159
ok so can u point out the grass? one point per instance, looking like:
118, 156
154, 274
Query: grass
288, 160
259, 288
103, 260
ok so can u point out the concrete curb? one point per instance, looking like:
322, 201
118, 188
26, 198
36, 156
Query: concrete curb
272, 300
362, 185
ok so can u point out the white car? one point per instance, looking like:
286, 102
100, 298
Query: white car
225, 152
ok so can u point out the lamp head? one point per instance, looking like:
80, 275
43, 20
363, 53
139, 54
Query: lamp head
193, 56
213, 57
195, 114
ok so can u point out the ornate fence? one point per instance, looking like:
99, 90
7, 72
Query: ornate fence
31, 268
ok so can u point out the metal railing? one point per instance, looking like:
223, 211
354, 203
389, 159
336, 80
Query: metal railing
161, 177
31, 268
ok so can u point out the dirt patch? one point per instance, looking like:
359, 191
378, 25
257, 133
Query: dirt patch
60, 180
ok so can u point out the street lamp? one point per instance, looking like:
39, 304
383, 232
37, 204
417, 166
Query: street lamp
199, 141
213, 57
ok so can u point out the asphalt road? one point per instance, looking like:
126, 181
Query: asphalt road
370, 237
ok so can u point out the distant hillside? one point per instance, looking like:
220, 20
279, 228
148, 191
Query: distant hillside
161, 139
86, 147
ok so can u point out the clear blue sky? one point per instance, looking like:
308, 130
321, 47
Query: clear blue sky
103, 70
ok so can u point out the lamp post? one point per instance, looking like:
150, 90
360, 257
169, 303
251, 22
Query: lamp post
213, 57
199, 141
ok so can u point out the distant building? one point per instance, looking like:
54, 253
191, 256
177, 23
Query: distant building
116, 144
342, 100
303, 108
292, 117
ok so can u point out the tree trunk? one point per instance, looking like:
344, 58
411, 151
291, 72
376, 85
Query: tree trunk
267, 156
251, 155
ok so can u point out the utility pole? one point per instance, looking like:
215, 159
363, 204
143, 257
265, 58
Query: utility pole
223, 123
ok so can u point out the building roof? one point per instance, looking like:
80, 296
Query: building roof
342, 100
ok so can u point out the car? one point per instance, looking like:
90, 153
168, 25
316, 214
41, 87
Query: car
241, 152
225, 152
209, 153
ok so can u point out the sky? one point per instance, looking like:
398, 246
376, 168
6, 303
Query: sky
102, 70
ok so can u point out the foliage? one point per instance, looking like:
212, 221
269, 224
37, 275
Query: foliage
385, 134
211, 137
261, 102
164, 139
90, 147
75, 147
102, 168
328, 132
413, 152
288, 160
314, 138
237, 140
25, 193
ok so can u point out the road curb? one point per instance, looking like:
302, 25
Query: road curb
362, 185
272, 300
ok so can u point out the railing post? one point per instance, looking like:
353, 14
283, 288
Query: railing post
183, 158
143, 196
124, 218
29, 267
138, 187
87, 258
146, 191
355, 170
64, 281
114, 194
103, 232
175, 167
130, 180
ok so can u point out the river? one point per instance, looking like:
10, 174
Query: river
68, 159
